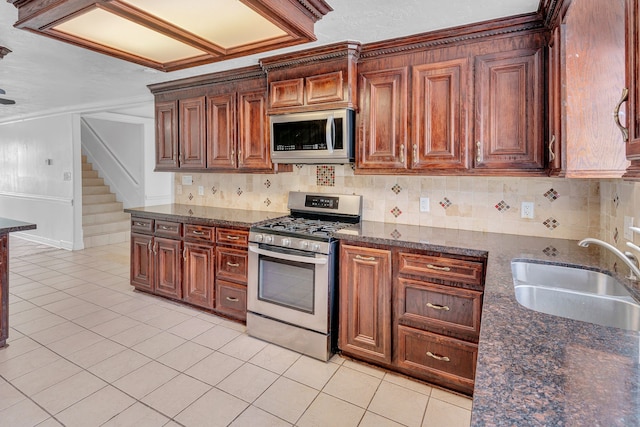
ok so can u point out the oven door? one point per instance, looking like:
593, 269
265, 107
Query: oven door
289, 285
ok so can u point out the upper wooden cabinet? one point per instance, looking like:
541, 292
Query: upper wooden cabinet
314, 79
215, 122
586, 70
633, 85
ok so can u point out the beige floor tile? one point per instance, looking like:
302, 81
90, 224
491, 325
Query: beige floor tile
399, 404
191, 328
56, 333
27, 362
176, 394
18, 305
145, 379
50, 422
216, 337
9, 395
275, 358
49, 298
96, 409
77, 342
169, 320
185, 356
225, 406
115, 326
42, 290
137, 415
364, 368
131, 305
248, 382
159, 344
286, 399
68, 392
243, 347
149, 312
352, 386
253, 417
27, 316
13, 335
328, 411
409, 383
443, 414
213, 368
135, 335
311, 372
455, 399
24, 414
119, 365
40, 324
374, 420
46, 376
62, 305
95, 353
17, 347
96, 318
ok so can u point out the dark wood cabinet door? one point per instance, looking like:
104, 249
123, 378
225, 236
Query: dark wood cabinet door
231, 264
365, 303
509, 110
4, 289
198, 285
168, 267
221, 132
438, 115
253, 131
166, 135
382, 135
633, 85
231, 299
554, 103
141, 263
193, 133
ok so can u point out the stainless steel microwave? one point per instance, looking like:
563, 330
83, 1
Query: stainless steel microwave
313, 137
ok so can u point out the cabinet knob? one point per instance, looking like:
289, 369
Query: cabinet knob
616, 115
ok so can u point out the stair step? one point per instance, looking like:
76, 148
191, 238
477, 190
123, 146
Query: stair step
103, 218
87, 167
98, 198
89, 174
98, 189
97, 208
92, 181
112, 227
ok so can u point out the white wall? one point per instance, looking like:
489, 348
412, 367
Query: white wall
32, 190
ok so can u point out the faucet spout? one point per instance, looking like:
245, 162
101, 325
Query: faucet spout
630, 261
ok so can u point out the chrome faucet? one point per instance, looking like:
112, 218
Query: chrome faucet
627, 257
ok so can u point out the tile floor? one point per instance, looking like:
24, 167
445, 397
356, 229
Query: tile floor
86, 350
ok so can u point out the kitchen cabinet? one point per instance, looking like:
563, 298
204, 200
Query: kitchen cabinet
632, 79
192, 131
365, 303
199, 265
586, 77
166, 113
322, 78
231, 272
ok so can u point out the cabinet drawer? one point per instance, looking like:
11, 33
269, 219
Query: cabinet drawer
199, 233
433, 356
324, 88
447, 269
229, 236
142, 225
168, 229
231, 264
286, 93
443, 309
231, 299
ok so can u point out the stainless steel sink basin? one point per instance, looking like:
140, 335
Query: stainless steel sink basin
575, 293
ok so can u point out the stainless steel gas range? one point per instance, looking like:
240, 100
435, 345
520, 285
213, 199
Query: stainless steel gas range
292, 277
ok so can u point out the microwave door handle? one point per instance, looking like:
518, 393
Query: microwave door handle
288, 257
330, 133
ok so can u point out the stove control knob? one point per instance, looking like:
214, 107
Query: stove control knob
315, 247
286, 242
304, 244
258, 237
268, 239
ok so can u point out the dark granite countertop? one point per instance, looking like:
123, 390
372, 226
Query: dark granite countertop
204, 215
10, 225
534, 369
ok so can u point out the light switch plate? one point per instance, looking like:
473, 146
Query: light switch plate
187, 180
628, 222
424, 204
200, 190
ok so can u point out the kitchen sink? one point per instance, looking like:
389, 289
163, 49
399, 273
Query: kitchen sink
575, 293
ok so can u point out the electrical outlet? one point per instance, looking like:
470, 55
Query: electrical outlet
628, 223
424, 204
200, 190
527, 210
187, 180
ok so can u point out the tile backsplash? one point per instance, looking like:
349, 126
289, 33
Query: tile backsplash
563, 208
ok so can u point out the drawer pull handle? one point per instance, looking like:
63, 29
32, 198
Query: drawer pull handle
184, 254
365, 258
616, 115
232, 299
231, 264
438, 357
164, 227
233, 237
438, 306
198, 232
435, 267
149, 246
140, 224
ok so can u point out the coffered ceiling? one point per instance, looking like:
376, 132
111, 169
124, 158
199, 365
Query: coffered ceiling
46, 76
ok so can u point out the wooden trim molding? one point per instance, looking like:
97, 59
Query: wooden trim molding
318, 54
252, 71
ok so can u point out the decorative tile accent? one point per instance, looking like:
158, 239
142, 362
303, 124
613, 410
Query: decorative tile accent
550, 251
396, 212
190, 212
239, 191
445, 203
353, 166
267, 201
190, 196
214, 190
396, 234
616, 200
616, 234
396, 189
267, 183
502, 206
551, 223
326, 175
551, 195
299, 166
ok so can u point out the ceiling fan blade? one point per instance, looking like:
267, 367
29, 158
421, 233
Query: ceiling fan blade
6, 101
2, 92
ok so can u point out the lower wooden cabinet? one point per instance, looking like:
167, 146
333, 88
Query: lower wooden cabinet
231, 299
198, 274
142, 262
168, 267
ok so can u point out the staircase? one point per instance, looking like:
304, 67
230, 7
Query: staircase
103, 220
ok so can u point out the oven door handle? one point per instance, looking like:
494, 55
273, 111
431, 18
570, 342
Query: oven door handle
288, 257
